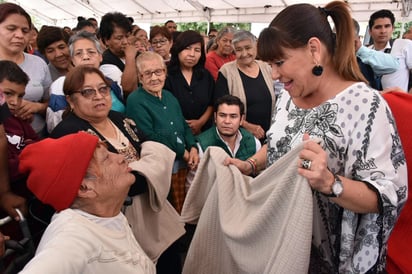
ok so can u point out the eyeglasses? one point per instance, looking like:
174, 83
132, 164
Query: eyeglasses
149, 73
161, 42
88, 52
91, 92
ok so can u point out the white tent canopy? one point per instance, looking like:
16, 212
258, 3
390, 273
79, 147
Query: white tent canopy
65, 12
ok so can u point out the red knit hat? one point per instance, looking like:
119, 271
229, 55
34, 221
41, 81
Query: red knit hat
57, 167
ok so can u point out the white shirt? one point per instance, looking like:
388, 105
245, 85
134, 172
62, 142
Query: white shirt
402, 51
77, 242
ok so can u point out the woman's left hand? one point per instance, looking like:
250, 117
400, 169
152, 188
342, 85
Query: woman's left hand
193, 160
312, 165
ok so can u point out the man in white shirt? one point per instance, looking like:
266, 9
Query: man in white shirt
380, 29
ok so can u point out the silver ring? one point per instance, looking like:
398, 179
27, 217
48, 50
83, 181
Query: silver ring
306, 164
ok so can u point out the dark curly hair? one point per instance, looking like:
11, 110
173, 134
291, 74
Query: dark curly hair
110, 21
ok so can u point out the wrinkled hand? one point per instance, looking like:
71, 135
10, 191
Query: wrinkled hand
10, 201
319, 176
193, 159
195, 126
27, 109
243, 166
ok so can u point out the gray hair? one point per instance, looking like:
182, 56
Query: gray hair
224, 31
84, 35
242, 35
148, 55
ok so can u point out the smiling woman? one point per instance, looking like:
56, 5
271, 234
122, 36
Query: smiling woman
15, 26
358, 172
53, 44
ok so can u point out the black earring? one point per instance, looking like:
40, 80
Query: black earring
317, 70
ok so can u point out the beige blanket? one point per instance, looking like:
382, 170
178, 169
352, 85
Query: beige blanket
154, 221
246, 225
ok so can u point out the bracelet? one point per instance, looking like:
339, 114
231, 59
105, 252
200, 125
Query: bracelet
253, 165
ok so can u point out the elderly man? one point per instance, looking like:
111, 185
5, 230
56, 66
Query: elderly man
87, 185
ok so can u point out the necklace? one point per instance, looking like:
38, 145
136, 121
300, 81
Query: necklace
120, 138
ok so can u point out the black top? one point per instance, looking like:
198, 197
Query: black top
258, 100
110, 58
195, 98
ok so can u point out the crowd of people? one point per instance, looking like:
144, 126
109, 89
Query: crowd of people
111, 125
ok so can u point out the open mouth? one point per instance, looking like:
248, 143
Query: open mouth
287, 85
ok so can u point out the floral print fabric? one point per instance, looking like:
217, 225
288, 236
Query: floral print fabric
360, 137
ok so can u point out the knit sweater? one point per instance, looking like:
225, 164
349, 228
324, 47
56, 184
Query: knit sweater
73, 243
161, 120
245, 225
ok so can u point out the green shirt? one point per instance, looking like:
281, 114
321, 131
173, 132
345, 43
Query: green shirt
161, 120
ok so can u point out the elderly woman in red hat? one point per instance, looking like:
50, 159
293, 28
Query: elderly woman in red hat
87, 185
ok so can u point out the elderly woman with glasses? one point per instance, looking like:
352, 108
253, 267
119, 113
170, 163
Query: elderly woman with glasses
154, 222
161, 41
84, 50
158, 115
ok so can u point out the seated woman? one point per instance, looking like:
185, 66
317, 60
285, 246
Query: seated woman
88, 95
251, 81
158, 115
87, 186
190, 82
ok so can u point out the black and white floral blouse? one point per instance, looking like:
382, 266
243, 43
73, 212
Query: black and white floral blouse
360, 136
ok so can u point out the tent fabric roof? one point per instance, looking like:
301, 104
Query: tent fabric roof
60, 12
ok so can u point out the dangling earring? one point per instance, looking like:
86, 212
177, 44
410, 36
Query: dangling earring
317, 70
